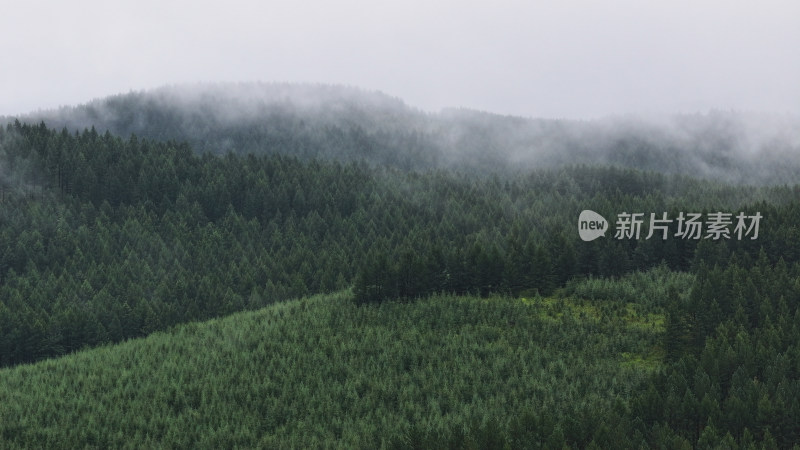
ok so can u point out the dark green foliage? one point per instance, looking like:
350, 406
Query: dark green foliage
735, 349
104, 239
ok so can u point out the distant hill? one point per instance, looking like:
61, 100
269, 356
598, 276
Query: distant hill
346, 123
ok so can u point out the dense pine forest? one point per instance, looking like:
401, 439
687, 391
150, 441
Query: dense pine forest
361, 284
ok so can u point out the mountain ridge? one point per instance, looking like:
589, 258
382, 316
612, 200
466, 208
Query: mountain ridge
349, 124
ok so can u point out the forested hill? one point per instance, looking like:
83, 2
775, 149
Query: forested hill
477, 288
350, 124
104, 238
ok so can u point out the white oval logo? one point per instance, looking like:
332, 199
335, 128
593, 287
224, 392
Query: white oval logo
591, 225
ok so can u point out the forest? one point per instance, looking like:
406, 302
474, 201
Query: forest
356, 294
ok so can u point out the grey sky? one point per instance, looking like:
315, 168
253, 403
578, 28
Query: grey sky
566, 58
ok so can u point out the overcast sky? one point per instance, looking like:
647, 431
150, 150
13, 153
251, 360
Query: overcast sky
555, 59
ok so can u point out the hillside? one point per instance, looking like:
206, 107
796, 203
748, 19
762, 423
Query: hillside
321, 372
473, 314
349, 124
105, 239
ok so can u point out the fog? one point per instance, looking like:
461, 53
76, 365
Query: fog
348, 123
575, 59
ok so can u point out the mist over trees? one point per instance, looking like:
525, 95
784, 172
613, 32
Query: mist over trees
448, 238
350, 124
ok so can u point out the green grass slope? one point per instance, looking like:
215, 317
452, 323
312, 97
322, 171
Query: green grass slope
322, 372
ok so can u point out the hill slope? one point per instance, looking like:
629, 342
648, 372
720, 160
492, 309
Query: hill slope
345, 123
322, 372
104, 239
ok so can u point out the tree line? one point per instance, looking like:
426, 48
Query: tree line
105, 238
